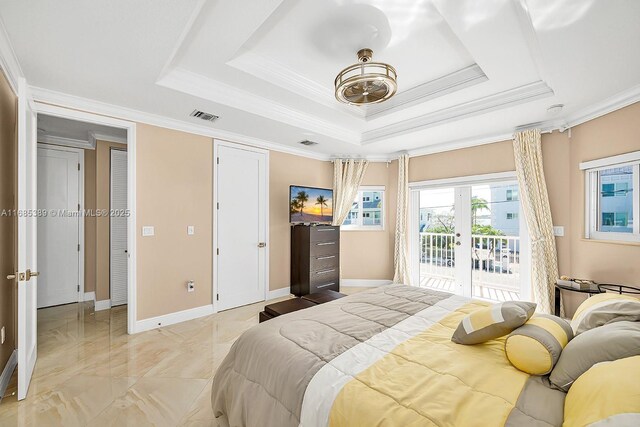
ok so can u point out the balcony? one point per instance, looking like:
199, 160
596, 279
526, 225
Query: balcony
495, 265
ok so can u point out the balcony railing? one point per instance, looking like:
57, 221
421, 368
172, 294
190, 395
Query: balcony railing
495, 260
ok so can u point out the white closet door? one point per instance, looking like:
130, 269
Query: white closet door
118, 233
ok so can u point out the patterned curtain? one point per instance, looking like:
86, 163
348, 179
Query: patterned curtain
400, 257
347, 176
527, 148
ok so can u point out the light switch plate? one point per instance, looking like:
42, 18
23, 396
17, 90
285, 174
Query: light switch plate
558, 231
191, 230
148, 230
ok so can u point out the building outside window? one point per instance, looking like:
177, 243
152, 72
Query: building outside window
367, 211
613, 200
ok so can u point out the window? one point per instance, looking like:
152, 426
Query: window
512, 215
367, 211
512, 195
612, 198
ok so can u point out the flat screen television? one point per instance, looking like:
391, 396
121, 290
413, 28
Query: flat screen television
310, 205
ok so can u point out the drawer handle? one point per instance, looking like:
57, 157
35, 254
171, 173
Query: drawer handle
326, 257
326, 271
326, 243
325, 229
324, 286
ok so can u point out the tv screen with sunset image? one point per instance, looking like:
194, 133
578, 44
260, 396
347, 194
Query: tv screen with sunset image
310, 205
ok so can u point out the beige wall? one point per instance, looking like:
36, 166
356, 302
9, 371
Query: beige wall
369, 254
174, 190
102, 223
8, 182
285, 170
613, 134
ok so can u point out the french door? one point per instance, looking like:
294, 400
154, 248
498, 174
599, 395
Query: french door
469, 238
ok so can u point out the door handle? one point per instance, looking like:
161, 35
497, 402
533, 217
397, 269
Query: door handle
458, 243
29, 274
12, 276
262, 245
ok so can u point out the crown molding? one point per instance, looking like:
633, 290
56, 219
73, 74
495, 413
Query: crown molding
46, 96
66, 142
452, 82
8, 60
606, 106
97, 136
511, 97
203, 87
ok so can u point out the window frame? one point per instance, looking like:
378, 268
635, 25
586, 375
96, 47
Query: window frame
360, 225
592, 188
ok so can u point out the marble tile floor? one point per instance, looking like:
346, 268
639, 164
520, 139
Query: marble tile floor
90, 372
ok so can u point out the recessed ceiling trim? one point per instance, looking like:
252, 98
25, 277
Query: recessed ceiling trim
484, 105
444, 85
215, 91
66, 142
266, 68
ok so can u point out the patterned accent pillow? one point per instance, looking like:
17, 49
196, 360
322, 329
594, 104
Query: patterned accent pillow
535, 347
605, 308
493, 322
608, 394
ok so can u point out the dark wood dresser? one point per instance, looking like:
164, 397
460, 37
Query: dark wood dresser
315, 259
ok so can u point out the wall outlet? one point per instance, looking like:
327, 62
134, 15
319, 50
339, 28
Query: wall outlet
148, 230
191, 286
191, 230
3, 335
558, 231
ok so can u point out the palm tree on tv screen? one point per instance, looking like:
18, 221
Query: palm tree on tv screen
322, 202
302, 198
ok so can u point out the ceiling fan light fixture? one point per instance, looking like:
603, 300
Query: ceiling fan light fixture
366, 82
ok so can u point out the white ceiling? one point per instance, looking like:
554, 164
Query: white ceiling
467, 70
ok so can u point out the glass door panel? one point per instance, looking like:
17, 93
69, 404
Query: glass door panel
495, 241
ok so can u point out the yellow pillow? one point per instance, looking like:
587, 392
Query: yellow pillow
607, 394
535, 347
605, 308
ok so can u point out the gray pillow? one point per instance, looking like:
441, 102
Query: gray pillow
605, 343
492, 322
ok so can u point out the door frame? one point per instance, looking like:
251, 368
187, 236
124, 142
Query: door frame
67, 113
81, 185
414, 207
217, 143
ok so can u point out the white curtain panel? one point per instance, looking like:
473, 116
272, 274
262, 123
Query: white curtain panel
400, 257
527, 148
347, 176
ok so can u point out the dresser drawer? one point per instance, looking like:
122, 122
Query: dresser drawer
324, 276
319, 249
333, 285
323, 262
324, 234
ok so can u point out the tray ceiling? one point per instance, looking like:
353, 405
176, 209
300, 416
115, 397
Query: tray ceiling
465, 70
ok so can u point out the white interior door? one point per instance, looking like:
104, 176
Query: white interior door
241, 188
27, 240
58, 230
118, 229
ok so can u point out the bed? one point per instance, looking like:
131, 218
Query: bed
382, 357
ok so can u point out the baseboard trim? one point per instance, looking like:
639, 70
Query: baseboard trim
7, 372
103, 305
173, 318
364, 283
89, 296
279, 293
